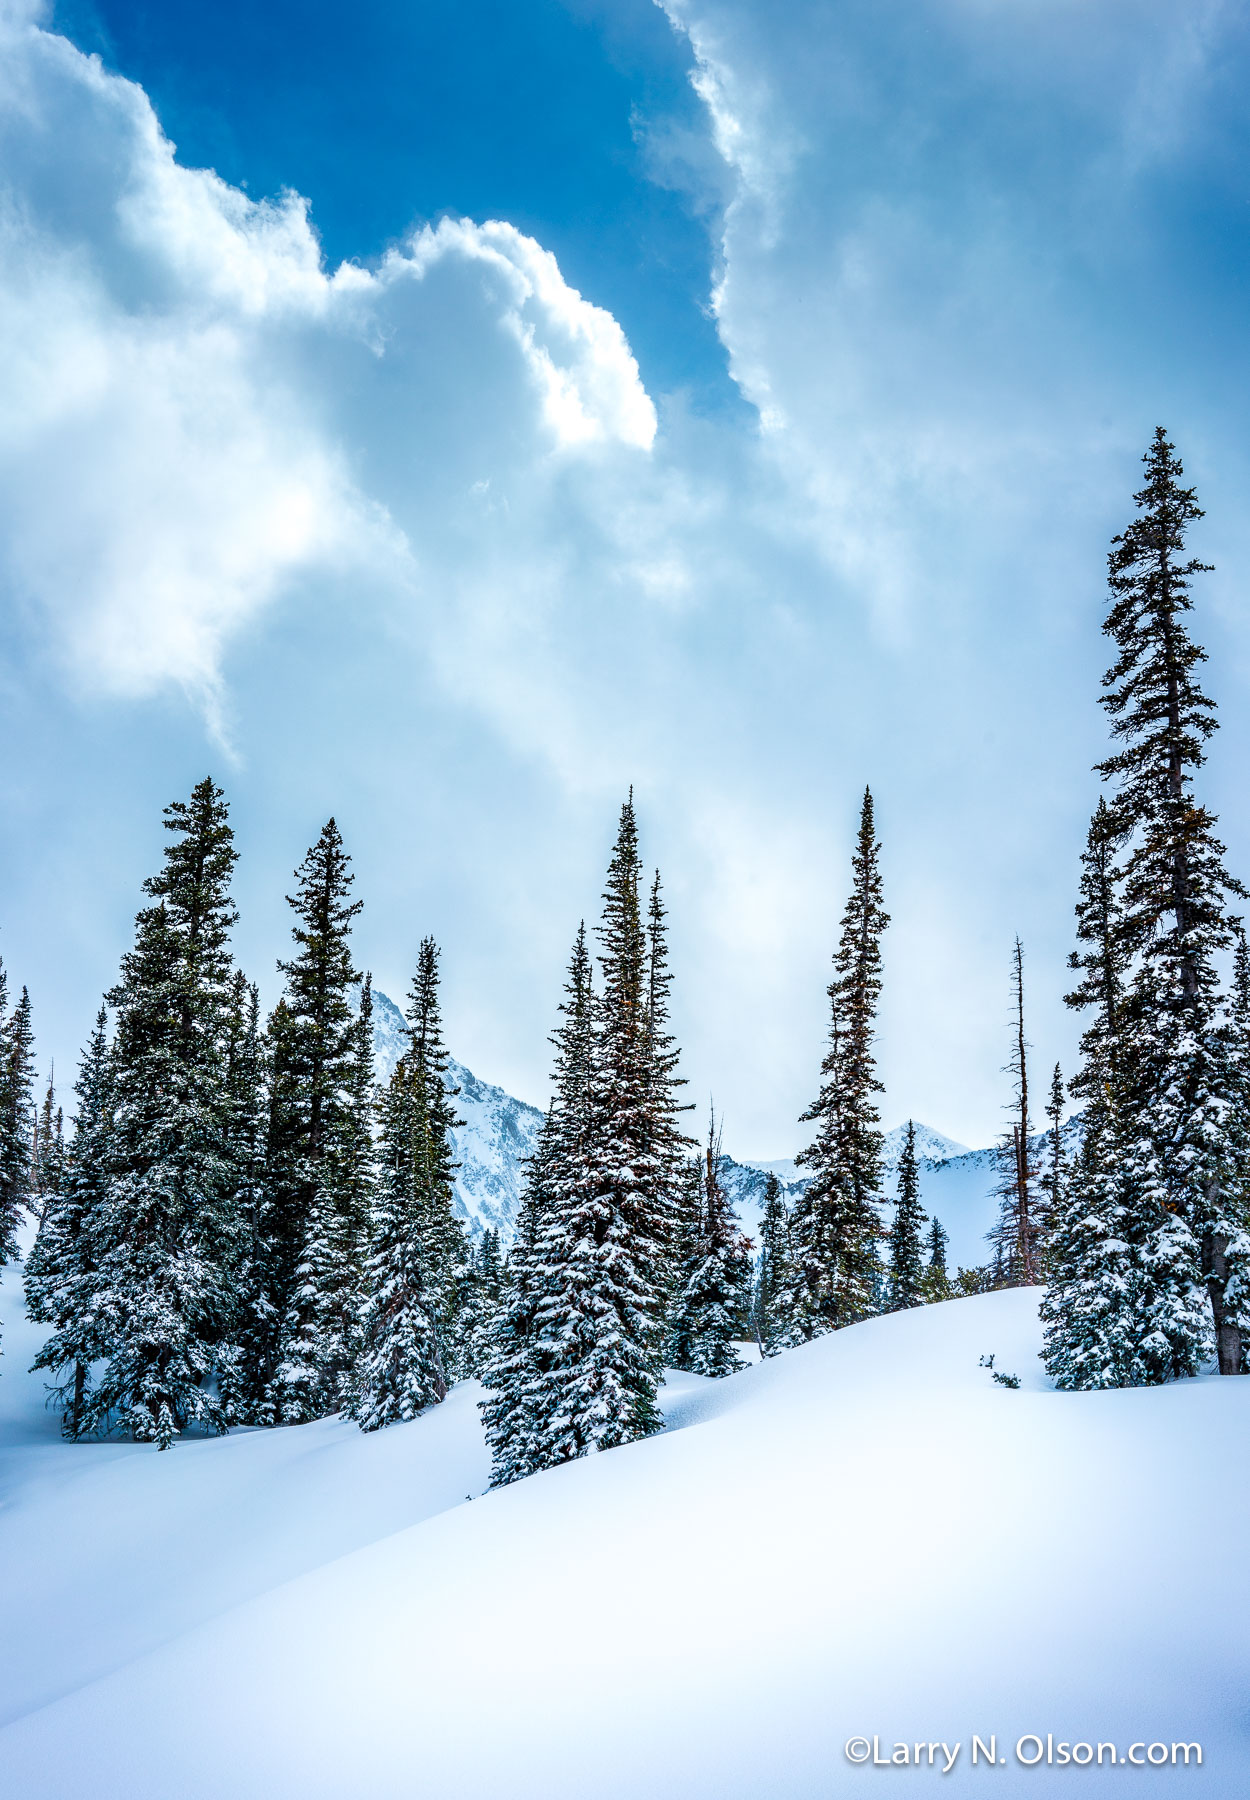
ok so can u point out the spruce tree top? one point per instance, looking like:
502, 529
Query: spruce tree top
621, 932
1162, 720
428, 1063
195, 880
322, 966
1151, 682
849, 1067
573, 1035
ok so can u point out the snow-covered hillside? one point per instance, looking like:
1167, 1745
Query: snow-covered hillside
865, 1537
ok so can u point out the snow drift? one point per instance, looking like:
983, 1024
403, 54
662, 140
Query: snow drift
866, 1536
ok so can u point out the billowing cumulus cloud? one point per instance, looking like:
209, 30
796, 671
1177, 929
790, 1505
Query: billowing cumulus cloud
179, 440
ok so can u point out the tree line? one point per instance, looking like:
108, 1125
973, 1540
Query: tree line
242, 1226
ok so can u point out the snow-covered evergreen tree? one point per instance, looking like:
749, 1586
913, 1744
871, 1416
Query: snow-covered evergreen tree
772, 1282
17, 1117
607, 1235
576, 1361
63, 1282
48, 1161
1162, 1217
935, 1282
1051, 1177
246, 1134
1093, 1308
316, 1186
906, 1258
410, 1344
707, 1320
520, 1398
1175, 925
836, 1225
478, 1302
170, 1235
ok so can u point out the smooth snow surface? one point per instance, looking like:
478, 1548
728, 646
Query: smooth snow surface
866, 1536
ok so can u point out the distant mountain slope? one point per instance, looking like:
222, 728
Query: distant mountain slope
498, 1133
968, 1198
961, 1191
931, 1146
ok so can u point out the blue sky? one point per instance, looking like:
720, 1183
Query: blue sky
731, 400
387, 116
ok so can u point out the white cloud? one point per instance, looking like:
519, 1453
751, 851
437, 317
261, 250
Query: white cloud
175, 448
576, 352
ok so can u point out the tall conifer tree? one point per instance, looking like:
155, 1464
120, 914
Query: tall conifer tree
772, 1300
837, 1225
314, 1034
170, 1237
17, 1118
714, 1294
1093, 1309
602, 1266
906, 1265
1164, 1157
63, 1280
523, 1390
935, 1282
409, 1355
1175, 925
607, 1235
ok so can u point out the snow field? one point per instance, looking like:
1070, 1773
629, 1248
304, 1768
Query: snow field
866, 1536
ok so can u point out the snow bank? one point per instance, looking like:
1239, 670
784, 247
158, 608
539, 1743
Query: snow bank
866, 1536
